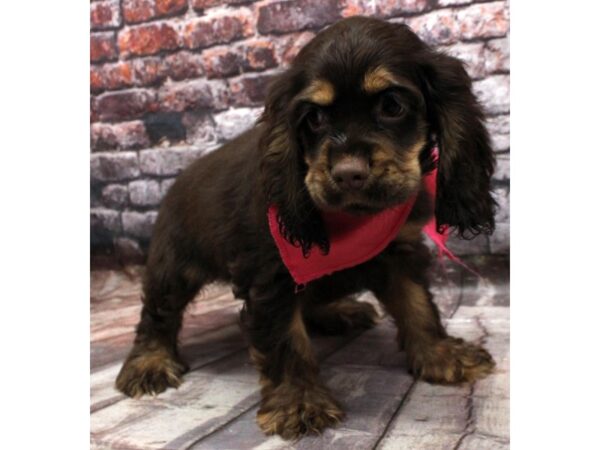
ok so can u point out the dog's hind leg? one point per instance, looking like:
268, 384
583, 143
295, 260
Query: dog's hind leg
340, 316
170, 283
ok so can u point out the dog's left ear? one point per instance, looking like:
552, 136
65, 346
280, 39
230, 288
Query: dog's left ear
466, 160
282, 169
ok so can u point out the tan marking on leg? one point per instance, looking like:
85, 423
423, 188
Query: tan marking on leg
300, 404
432, 355
151, 371
292, 410
300, 339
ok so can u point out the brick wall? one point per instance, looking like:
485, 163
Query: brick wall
173, 79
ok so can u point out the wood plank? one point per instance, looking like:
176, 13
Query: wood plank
110, 323
198, 351
479, 442
433, 417
216, 406
440, 417
203, 401
491, 416
115, 347
368, 395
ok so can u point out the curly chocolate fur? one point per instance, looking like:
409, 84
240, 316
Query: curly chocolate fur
366, 90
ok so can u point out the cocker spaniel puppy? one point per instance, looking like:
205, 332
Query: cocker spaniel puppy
351, 128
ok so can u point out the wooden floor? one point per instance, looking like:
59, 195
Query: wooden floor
386, 409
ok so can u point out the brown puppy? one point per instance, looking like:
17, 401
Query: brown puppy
349, 126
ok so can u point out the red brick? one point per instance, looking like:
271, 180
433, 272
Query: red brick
148, 39
250, 90
167, 161
494, 93
104, 223
358, 8
472, 54
102, 47
497, 55
483, 21
207, 31
259, 55
255, 54
148, 71
197, 94
502, 170
114, 166
170, 7
247, 56
287, 47
110, 76
285, 16
105, 14
200, 129
139, 224
222, 62
144, 193
120, 136
235, 121
183, 65
115, 195
387, 8
123, 105
437, 27
498, 124
446, 26
136, 11
137, 72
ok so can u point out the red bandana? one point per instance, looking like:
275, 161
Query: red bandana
353, 239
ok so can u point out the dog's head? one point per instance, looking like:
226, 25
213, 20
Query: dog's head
351, 126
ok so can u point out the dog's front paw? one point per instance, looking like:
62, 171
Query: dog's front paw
292, 411
150, 372
451, 361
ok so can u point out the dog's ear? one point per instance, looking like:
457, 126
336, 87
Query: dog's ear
466, 159
283, 169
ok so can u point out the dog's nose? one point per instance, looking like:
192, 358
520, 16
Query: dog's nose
350, 172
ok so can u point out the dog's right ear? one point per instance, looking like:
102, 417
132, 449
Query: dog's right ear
466, 161
283, 170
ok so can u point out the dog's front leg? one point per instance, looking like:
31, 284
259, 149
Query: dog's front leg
432, 354
294, 401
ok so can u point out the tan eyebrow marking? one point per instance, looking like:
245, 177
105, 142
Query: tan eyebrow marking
320, 92
378, 79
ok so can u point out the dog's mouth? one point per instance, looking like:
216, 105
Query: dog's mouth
375, 197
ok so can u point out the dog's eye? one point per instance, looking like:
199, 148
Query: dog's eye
391, 106
315, 119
